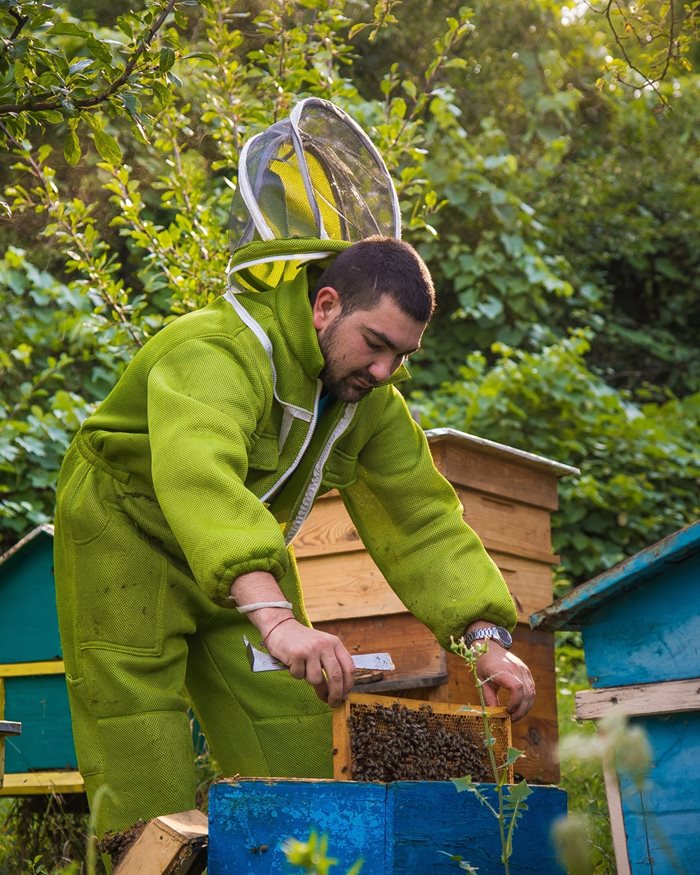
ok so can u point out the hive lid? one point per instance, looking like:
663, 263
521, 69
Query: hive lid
567, 612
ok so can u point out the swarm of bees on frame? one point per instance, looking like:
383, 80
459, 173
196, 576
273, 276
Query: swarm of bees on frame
397, 743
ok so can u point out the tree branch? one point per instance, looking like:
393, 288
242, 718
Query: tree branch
87, 102
21, 21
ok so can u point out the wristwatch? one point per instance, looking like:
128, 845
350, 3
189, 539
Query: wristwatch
498, 633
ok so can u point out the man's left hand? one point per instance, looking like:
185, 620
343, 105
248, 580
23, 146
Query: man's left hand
499, 668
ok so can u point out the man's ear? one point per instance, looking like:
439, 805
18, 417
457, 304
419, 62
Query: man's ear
326, 307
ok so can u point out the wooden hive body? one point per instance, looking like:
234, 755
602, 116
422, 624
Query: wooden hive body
508, 499
640, 625
32, 681
397, 829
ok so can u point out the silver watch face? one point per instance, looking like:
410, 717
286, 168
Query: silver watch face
503, 636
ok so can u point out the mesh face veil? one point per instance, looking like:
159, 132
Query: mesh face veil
314, 176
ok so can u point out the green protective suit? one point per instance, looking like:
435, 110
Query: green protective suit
199, 466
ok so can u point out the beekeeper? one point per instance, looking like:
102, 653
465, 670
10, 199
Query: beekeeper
176, 504
180, 496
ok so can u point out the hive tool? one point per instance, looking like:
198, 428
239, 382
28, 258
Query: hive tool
260, 661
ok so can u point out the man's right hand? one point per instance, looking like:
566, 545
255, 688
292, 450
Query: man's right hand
313, 656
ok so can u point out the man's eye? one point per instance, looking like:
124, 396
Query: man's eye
373, 346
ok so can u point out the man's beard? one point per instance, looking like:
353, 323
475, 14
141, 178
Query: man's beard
340, 384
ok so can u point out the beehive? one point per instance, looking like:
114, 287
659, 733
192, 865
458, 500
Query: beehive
385, 739
508, 497
32, 681
640, 623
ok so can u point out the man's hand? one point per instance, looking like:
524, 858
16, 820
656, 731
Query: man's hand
499, 668
313, 656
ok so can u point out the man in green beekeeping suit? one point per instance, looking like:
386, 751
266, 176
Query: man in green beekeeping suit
177, 505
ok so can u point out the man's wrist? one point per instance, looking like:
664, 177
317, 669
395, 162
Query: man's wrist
482, 632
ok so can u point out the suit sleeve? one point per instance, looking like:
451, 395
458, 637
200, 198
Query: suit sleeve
204, 406
410, 519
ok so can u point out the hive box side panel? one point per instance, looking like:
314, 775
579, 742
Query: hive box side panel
663, 821
40, 702
429, 817
250, 820
397, 828
498, 474
28, 619
650, 634
508, 525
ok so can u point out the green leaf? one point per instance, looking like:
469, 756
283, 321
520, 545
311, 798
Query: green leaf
71, 148
108, 147
99, 50
68, 29
81, 64
463, 784
513, 756
166, 59
516, 794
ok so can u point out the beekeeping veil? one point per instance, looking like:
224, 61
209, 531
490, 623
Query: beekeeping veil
309, 186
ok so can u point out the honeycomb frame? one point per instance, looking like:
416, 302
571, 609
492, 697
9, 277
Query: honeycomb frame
440, 718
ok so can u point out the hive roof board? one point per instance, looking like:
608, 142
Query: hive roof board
569, 611
531, 460
28, 620
640, 621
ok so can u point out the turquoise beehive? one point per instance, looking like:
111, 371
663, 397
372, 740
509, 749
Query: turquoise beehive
640, 624
32, 681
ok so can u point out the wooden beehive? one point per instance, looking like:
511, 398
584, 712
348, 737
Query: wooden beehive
395, 829
32, 681
508, 497
386, 739
640, 624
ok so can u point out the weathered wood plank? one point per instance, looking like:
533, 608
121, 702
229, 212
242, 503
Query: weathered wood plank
662, 819
617, 820
503, 524
413, 648
521, 528
638, 699
396, 828
41, 783
173, 843
500, 476
354, 587
25, 669
650, 635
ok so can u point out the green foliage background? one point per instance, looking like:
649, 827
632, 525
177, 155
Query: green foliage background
556, 205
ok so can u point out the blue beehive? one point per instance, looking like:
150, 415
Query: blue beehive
640, 624
404, 827
32, 681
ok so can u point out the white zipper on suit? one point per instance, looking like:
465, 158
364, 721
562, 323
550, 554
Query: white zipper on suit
293, 411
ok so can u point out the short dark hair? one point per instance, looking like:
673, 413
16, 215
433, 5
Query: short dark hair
377, 266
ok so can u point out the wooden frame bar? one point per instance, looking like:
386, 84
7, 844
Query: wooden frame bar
28, 669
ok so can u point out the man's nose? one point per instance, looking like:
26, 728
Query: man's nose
382, 368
